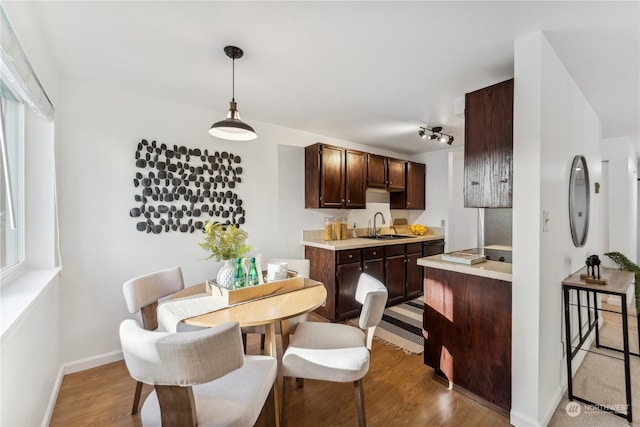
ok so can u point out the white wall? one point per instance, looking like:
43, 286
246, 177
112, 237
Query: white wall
553, 122
98, 129
623, 196
30, 350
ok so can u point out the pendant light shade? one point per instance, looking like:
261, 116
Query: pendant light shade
233, 128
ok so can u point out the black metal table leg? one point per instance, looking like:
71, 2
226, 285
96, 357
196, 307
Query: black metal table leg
567, 329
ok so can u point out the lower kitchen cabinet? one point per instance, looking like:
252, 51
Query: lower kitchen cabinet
467, 320
413, 271
394, 265
395, 273
373, 262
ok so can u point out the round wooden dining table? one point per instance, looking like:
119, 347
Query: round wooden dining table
265, 311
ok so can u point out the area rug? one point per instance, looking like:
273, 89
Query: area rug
401, 326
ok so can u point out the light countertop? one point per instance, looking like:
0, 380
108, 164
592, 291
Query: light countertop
362, 242
491, 269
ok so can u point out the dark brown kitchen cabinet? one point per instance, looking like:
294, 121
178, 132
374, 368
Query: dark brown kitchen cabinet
413, 270
339, 271
355, 179
488, 147
395, 175
376, 171
373, 262
385, 173
394, 265
413, 197
395, 273
467, 319
334, 177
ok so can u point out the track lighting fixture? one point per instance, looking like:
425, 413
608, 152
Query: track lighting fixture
436, 134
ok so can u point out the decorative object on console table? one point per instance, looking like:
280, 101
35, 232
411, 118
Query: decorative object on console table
591, 277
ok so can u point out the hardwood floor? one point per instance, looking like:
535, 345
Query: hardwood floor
399, 391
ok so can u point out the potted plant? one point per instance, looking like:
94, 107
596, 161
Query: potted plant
225, 243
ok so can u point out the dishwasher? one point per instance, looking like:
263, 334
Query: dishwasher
433, 247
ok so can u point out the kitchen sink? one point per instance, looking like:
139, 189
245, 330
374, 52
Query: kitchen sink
388, 237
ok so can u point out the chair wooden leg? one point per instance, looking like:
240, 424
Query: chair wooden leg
286, 395
359, 392
270, 408
177, 405
136, 398
262, 339
300, 382
244, 342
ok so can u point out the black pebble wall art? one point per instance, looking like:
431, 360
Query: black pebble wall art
180, 188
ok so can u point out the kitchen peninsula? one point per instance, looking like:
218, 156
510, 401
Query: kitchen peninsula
467, 327
391, 259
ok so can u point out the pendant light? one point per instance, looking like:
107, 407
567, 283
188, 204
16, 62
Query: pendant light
232, 128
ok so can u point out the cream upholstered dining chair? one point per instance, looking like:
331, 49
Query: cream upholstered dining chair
300, 266
142, 294
334, 351
200, 377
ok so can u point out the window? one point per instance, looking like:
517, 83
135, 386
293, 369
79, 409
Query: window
11, 182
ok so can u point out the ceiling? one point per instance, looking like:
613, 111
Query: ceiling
367, 72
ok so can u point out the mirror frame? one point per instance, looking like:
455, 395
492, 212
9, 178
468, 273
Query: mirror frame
579, 236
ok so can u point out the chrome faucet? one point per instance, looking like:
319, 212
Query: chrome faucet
376, 231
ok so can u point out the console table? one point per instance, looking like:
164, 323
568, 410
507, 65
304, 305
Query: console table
618, 282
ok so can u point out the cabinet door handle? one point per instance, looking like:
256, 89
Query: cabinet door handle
375, 253
348, 200
475, 183
350, 256
366, 267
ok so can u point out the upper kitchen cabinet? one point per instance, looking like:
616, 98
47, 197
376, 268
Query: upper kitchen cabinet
385, 173
488, 147
413, 197
334, 177
355, 179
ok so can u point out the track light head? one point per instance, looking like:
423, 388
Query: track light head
436, 134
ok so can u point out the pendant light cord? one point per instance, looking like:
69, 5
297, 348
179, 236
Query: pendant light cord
233, 79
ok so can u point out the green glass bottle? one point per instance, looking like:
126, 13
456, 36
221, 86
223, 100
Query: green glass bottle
252, 276
238, 277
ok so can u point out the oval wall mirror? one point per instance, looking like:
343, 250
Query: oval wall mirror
579, 201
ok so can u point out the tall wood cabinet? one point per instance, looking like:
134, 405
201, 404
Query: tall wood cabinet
488, 147
334, 177
413, 197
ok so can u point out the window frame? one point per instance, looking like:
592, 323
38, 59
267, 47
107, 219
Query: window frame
9, 272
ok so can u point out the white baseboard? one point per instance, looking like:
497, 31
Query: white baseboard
72, 367
92, 362
519, 420
555, 401
46, 419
